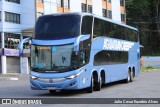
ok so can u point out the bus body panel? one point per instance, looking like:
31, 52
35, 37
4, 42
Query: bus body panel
114, 70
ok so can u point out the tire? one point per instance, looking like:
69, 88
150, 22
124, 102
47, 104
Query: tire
98, 85
52, 91
131, 76
128, 79
90, 89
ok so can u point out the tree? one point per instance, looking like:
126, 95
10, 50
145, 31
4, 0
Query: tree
145, 15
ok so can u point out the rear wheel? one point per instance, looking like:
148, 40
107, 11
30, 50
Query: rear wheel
98, 84
132, 76
128, 79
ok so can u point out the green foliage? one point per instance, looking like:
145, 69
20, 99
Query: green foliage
137, 10
145, 15
148, 69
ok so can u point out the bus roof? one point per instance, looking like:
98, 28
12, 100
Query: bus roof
89, 14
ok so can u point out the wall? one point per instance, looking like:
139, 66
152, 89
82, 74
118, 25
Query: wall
97, 7
75, 5
116, 14
27, 11
50, 6
13, 64
153, 61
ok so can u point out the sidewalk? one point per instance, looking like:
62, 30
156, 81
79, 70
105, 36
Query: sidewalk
12, 76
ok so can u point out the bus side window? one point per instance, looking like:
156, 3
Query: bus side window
84, 51
87, 25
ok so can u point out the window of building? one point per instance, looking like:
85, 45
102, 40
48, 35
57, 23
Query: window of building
40, 1
122, 2
84, 9
104, 11
12, 17
122, 17
39, 14
110, 14
110, 1
60, 3
89, 8
67, 4
14, 1
12, 40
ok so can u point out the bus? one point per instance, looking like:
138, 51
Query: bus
72, 51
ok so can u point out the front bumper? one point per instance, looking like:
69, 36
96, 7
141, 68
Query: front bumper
67, 84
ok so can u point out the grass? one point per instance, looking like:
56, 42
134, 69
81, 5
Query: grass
148, 69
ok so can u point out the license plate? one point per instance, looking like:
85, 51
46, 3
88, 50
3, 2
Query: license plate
53, 88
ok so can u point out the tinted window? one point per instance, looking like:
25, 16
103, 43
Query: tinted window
87, 25
99, 27
57, 27
108, 29
84, 54
110, 57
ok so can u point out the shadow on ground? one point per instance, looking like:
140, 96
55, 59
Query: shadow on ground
67, 93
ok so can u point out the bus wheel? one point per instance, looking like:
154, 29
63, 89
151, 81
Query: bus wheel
90, 89
128, 79
98, 84
52, 91
131, 76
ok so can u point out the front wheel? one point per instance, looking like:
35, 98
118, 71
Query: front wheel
52, 91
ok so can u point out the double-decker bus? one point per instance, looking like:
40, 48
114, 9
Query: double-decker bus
73, 51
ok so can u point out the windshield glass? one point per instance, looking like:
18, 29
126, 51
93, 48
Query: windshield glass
52, 27
53, 58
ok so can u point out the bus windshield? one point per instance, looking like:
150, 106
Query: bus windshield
53, 58
57, 27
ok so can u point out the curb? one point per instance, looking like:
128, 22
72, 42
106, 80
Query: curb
8, 78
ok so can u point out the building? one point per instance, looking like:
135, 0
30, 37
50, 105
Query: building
17, 19
15, 15
113, 9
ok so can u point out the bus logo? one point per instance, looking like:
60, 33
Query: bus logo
115, 44
50, 80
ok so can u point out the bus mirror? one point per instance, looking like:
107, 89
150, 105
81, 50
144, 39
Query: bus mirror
94, 36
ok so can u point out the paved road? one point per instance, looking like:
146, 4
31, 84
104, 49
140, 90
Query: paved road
147, 85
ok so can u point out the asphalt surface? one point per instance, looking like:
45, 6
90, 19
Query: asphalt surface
147, 85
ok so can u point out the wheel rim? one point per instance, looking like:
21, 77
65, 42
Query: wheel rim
132, 76
92, 84
129, 76
100, 80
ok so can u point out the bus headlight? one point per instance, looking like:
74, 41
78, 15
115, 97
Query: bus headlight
33, 77
74, 76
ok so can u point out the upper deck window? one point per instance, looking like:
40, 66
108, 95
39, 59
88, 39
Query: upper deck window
57, 27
